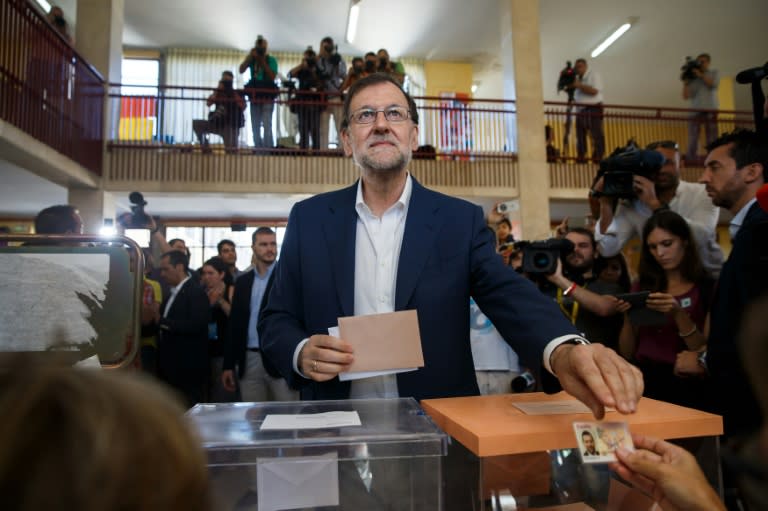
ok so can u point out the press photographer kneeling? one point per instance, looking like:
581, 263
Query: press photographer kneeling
563, 269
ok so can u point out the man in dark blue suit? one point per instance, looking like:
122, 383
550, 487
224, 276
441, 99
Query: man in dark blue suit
389, 244
182, 322
735, 168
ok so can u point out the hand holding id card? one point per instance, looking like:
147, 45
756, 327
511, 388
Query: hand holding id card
597, 441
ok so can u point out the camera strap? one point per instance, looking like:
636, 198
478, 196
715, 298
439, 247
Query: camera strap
574, 312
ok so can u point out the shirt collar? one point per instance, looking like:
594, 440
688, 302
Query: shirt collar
737, 220
402, 202
176, 289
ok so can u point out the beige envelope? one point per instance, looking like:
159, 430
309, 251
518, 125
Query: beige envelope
383, 341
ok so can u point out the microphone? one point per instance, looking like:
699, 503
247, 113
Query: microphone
762, 197
753, 74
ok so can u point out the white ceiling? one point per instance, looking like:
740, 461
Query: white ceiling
640, 69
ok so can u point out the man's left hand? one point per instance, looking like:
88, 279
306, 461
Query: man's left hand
598, 377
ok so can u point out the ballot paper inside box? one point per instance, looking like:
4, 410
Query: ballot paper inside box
393, 459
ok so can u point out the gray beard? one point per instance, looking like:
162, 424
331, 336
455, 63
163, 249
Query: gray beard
396, 164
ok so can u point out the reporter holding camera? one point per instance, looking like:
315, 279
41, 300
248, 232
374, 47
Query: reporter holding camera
356, 72
308, 103
333, 71
700, 88
588, 303
227, 117
262, 90
665, 191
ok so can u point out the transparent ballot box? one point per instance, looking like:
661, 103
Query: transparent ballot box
392, 460
519, 451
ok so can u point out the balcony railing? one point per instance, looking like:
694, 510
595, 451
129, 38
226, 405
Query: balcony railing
47, 89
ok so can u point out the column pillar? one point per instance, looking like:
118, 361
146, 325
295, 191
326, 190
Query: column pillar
99, 39
533, 182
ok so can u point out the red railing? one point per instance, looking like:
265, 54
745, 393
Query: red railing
47, 89
621, 123
455, 127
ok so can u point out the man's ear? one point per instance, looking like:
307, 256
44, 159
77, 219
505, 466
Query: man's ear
346, 142
752, 172
415, 137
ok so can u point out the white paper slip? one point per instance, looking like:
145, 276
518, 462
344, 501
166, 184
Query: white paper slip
552, 407
311, 420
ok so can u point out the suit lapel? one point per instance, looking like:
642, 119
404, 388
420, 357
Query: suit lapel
421, 227
340, 231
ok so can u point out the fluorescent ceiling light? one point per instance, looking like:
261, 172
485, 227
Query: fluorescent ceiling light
45, 5
354, 12
611, 39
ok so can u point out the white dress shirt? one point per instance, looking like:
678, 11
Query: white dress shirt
738, 219
690, 202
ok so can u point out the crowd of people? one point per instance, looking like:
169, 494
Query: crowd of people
683, 326
387, 243
316, 89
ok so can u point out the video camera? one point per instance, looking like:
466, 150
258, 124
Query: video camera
619, 169
260, 50
686, 70
540, 257
139, 218
566, 79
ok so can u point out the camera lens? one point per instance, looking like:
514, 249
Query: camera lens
541, 260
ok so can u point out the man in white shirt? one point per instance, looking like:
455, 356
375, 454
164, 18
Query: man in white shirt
688, 200
588, 93
387, 243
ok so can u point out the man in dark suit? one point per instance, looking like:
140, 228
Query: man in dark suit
259, 381
387, 244
182, 321
735, 168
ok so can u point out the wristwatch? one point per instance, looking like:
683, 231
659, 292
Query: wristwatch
702, 359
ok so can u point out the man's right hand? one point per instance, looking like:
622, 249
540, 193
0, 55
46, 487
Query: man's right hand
324, 357
228, 380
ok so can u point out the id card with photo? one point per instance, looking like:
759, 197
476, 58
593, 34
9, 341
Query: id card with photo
597, 441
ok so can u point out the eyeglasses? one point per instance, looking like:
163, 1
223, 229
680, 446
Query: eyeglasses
664, 144
368, 115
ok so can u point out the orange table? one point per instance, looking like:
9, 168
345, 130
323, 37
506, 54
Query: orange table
492, 426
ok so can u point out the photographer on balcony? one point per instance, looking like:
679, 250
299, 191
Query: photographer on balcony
261, 90
664, 190
226, 119
332, 71
308, 103
588, 92
700, 88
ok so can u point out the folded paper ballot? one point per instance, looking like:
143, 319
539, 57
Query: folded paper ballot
383, 342
297, 482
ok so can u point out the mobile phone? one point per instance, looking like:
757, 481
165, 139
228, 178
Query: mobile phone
637, 299
507, 207
639, 314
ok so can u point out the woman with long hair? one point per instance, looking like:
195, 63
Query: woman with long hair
217, 281
670, 268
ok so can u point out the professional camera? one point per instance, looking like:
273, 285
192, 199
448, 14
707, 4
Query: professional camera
686, 70
335, 58
619, 169
260, 50
566, 79
310, 56
139, 218
540, 257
